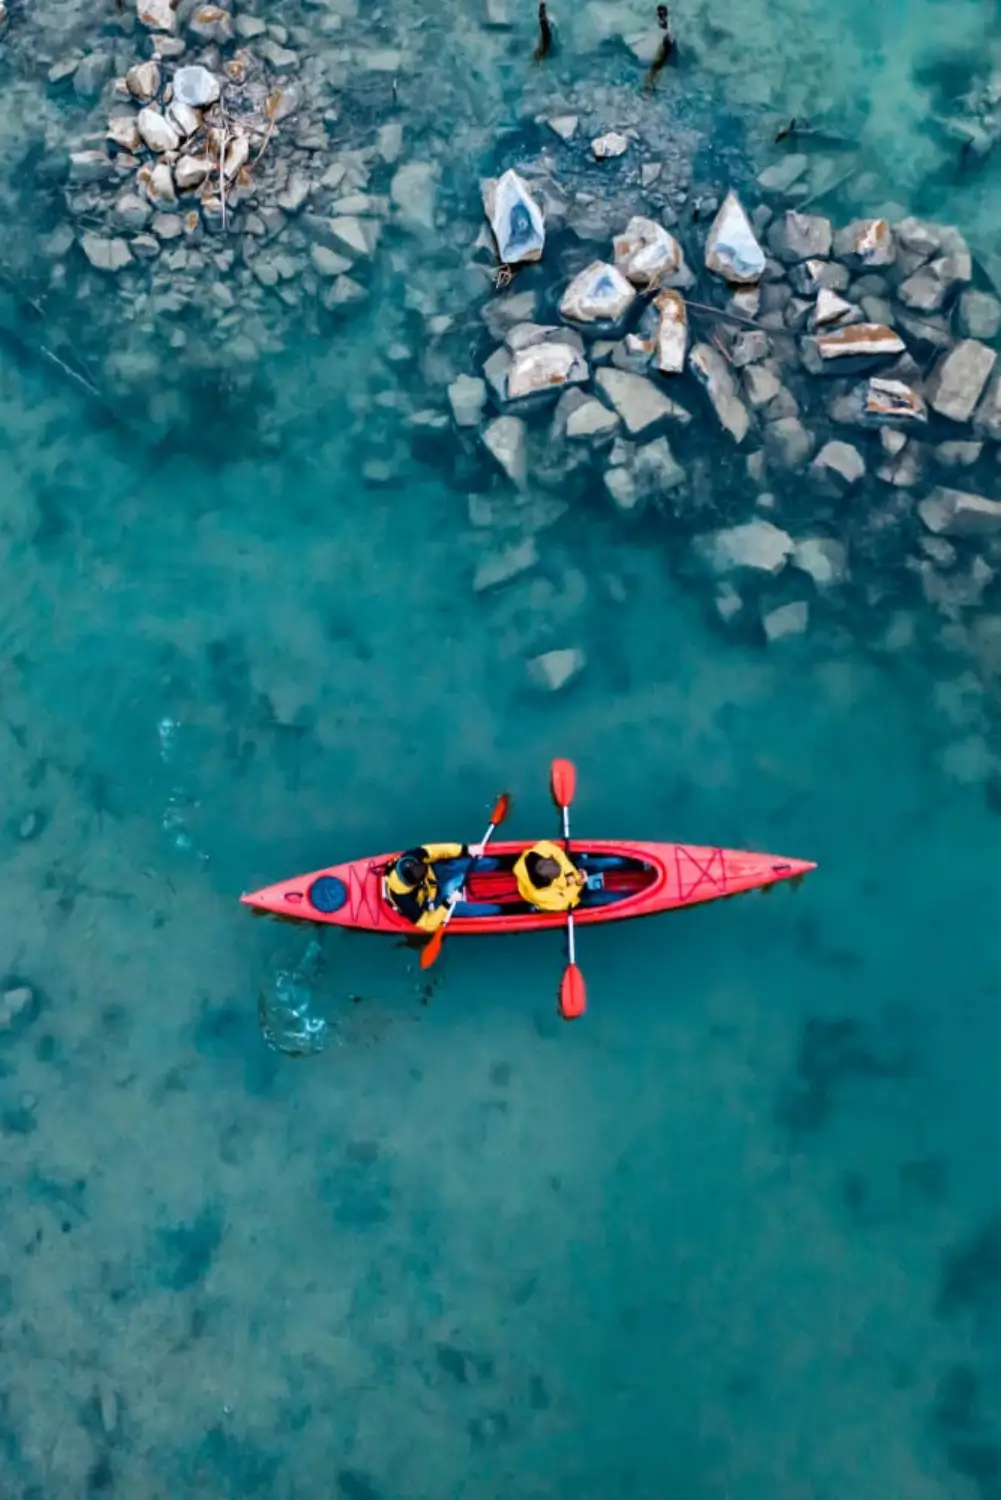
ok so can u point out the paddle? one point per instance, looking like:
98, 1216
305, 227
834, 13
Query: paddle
573, 991
430, 952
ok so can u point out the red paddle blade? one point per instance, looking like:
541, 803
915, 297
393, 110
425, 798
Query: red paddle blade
430, 952
563, 780
501, 808
573, 993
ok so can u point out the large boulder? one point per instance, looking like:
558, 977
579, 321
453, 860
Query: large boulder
732, 248
516, 220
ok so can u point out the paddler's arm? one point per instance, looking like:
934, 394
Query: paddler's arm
432, 917
434, 852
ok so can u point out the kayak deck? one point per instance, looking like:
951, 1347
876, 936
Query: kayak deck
648, 878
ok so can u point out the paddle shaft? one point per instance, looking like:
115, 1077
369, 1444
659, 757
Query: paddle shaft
571, 946
453, 900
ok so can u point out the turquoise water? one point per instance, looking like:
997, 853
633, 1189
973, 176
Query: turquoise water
732, 1236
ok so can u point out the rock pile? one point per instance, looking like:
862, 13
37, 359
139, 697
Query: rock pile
862, 359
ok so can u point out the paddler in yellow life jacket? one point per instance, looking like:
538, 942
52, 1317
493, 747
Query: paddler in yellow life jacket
548, 879
421, 881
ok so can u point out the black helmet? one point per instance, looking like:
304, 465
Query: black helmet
542, 868
410, 868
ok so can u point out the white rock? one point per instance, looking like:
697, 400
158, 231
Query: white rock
327, 262
714, 374
757, 546
732, 249
104, 254
157, 14
831, 308
672, 333
157, 131
957, 454
949, 512
958, 380
867, 241
611, 144
237, 156
638, 401
501, 567
599, 294
841, 462
143, 81
859, 339
545, 368
823, 558
785, 621
195, 86
506, 438
808, 277
124, 132
414, 191
184, 118
515, 218
191, 171
468, 396
159, 183
554, 670
294, 194
591, 422
647, 254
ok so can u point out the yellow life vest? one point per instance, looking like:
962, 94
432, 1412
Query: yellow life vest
563, 893
425, 893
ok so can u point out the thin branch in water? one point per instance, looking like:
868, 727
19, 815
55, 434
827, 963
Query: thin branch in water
719, 312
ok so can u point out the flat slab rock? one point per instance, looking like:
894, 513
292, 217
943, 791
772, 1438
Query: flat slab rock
640, 404
506, 438
859, 339
948, 512
957, 382
756, 545
716, 378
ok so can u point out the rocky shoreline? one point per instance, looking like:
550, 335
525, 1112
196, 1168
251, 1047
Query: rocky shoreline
814, 409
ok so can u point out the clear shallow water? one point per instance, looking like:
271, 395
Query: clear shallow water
731, 1236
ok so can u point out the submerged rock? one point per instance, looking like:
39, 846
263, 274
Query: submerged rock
757, 546
716, 378
105, 254
599, 294
672, 333
823, 558
957, 382
788, 443
949, 512
414, 191
515, 218
638, 401
467, 396
506, 438
648, 255
555, 670
785, 621
859, 339
609, 145
501, 567
840, 462
655, 470
732, 248
979, 315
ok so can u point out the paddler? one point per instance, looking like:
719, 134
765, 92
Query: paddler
548, 879
421, 881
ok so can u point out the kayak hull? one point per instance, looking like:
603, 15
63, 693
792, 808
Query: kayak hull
655, 878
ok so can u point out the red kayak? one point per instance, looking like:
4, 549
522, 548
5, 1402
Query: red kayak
652, 878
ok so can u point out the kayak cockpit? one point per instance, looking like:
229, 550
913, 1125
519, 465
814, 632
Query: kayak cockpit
611, 878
